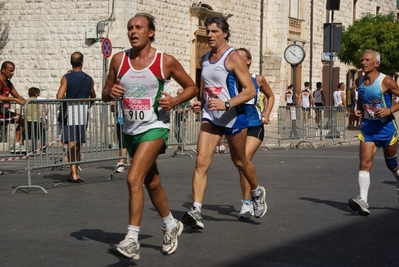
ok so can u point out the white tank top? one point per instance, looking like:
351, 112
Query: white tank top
141, 110
305, 98
223, 84
337, 98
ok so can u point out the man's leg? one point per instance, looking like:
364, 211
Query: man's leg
391, 161
244, 165
367, 151
171, 227
359, 203
318, 116
143, 160
17, 147
251, 146
306, 116
18, 130
73, 155
141, 168
239, 158
208, 138
44, 136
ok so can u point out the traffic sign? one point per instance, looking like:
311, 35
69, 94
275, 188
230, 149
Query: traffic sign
106, 47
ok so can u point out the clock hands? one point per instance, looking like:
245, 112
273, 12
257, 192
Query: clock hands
294, 55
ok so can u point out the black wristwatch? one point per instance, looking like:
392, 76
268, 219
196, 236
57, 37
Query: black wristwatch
227, 105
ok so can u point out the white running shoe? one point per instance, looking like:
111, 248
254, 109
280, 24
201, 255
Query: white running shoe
170, 243
128, 248
246, 211
120, 168
259, 203
359, 205
17, 148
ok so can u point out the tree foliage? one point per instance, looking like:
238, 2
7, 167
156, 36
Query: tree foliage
372, 32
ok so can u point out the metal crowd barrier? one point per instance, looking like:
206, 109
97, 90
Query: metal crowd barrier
309, 125
184, 128
44, 147
43, 121
43, 126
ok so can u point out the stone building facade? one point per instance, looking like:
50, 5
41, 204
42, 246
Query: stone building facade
39, 36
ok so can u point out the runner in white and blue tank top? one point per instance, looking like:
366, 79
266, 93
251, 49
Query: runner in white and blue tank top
222, 84
227, 86
378, 127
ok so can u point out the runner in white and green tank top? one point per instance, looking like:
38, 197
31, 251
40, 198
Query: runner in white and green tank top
140, 77
140, 105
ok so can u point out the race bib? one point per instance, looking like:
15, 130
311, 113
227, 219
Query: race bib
369, 111
213, 92
137, 109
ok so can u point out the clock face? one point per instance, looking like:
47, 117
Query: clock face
294, 54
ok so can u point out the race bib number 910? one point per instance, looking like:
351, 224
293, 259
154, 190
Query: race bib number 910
137, 109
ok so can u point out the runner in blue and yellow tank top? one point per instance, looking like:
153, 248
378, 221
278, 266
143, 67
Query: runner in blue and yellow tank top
378, 128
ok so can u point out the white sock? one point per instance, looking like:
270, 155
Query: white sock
197, 206
364, 184
256, 192
133, 232
169, 223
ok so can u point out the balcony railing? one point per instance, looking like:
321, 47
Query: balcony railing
295, 28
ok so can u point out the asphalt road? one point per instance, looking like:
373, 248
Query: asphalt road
307, 222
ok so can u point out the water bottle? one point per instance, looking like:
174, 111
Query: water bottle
119, 111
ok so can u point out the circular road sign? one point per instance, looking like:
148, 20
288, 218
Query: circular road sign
106, 47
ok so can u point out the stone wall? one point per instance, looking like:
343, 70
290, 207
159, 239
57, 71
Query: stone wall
39, 35
43, 33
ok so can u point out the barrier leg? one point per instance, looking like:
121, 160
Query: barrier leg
181, 150
29, 185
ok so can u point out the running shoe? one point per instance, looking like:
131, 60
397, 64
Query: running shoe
259, 203
128, 248
17, 148
170, 243
120, 168
359, 205
246, 211
193, 219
